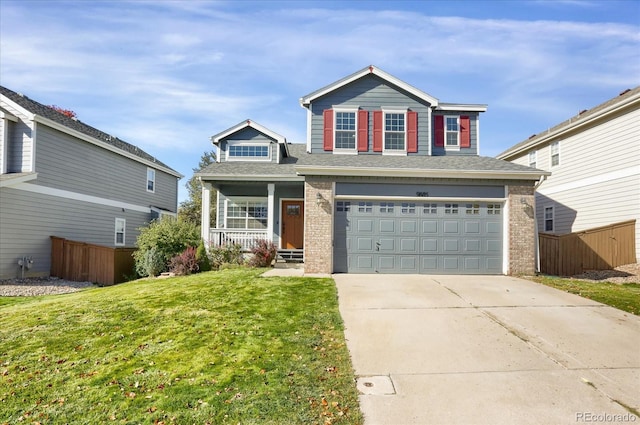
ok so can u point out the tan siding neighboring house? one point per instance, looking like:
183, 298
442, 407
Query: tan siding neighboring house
596, 180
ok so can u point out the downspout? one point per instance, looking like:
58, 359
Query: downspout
535, 221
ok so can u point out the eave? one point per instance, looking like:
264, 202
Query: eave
463, 107
251, 177
420, 173
12, 179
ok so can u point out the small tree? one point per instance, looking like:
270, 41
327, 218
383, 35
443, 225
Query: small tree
166, 238
191, 209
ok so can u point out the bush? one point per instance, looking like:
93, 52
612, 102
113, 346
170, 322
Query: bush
226, 254
168, 237
184, 263
203, 258
151, 263
264, 252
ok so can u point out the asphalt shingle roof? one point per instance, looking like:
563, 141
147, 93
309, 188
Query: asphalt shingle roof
74, 124
299, 157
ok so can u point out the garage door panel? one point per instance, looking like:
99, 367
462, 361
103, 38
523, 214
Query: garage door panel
418, 238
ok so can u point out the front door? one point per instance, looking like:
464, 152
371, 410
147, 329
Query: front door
292, 224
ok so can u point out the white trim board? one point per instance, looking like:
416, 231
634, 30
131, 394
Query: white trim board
59, 193
590, 181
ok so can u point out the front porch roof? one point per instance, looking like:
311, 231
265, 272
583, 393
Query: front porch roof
300, 163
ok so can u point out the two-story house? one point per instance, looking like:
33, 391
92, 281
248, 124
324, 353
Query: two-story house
594, 158
388, 181
62, 177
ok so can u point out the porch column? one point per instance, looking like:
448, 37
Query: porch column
205, 222
271, 188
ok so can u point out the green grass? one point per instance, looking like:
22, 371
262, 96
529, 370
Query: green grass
625, 297
218, 347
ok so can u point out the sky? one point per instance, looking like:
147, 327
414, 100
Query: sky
167, 75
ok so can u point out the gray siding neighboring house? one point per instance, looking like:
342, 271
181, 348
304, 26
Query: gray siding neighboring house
389, 181
62, 177
594, 160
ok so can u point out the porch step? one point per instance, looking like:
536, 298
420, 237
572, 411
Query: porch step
291, 255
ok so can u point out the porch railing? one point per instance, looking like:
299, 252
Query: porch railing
245, 238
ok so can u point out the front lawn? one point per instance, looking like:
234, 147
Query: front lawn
218, 347
625, 297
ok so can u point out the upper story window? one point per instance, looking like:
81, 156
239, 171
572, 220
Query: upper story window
248, 151
451, 132
555, 153
151, 180
533, 159
121, 225
394, 131
345, 135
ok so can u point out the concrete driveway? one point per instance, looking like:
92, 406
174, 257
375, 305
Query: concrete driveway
487, 350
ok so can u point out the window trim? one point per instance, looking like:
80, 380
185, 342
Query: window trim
151, 180
385, 150
349, 109
245, 200
447, 147
116, 232
230, 158
552, 219
551, 154
533, 154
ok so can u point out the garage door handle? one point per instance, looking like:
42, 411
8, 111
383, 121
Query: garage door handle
377, 246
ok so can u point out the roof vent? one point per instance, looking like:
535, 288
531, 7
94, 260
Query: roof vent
532, 136
624, 92
582, 112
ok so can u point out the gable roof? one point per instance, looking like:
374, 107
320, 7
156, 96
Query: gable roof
50, 117
300, 163
628, 97
305, 101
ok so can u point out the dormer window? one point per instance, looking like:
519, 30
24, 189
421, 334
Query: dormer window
345, 129
248, 151
345, 134
394, 131
451, 132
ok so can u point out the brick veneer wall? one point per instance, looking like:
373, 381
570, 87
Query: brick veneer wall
318, 226
521, 230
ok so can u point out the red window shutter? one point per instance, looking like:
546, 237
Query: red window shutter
328, 129
439, 131
465, 134
377, 131
363, 131
412, 132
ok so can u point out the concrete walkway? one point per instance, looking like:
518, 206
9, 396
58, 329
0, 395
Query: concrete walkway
487, 350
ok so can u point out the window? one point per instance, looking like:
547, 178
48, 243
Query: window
342, 206
121, 225
451, 208
472, 209
430, 209
533, 159
555, 154
345, 137
151, 180
248, 151
365, 207
246, 214
386, 207
394, 131
451, 132
548, 219
408, 208
493, 209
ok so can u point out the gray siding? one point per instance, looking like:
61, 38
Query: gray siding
67, 163
370, 93
20, 143
3, 133
28, 220
248, 134
473, 131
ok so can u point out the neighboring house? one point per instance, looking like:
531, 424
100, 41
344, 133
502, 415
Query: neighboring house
389, 181
61, 177
594, 158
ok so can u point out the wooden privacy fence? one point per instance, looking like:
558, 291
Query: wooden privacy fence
83, 262
601, 248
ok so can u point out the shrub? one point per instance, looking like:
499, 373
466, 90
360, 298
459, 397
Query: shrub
264, 252
226, 254
184, 263
203, 258
168, 237
151, 263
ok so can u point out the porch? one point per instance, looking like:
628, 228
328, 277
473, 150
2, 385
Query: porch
247, 240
